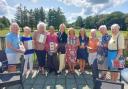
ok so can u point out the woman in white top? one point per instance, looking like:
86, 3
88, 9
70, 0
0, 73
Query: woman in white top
115, 48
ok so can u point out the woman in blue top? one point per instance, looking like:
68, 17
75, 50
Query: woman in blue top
28, 44
14, 47
82, 53
103, 50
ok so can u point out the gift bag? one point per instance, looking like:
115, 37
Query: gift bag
124, 74
119, 63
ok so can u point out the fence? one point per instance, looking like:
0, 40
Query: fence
2, 43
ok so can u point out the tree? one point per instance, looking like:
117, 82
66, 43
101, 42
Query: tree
4, 22
19, 16
31, 18
126, 21
42, 14
55, 18
79, 22
107, 19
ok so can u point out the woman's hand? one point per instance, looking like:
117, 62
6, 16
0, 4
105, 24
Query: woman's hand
82, 46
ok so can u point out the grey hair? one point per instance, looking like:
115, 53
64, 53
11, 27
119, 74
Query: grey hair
115, 26
103, 27
41, 24
93, 30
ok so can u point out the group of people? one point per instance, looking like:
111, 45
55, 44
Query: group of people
56, 49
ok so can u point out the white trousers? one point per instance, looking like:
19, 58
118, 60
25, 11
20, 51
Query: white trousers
28, 59
13, 58
92, 57
61, 62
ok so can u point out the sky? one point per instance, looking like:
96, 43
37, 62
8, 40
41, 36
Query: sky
71, 8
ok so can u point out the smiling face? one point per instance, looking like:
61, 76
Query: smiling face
27, 31
14, 28
51, 29
114, 31
82, 33
71, 32
41, 28
93, 34
103, 31
62, 27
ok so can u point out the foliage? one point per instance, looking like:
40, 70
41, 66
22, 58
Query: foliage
4, 22
32, 17
107, 19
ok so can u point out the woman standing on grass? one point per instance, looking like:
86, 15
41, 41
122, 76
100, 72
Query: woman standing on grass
115, 49
28, 44
39, 38
103, 50
51, 46
14, 47
82, 53
92, 48
62, 40
71, 49
93, 44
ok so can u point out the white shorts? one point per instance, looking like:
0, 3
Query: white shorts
13, 58
91, 58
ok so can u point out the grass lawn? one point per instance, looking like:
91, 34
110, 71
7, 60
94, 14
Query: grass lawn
3, 32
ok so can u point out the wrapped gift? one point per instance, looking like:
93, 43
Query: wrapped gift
41, 38
52, 46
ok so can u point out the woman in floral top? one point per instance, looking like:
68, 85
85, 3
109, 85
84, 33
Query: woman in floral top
71, 49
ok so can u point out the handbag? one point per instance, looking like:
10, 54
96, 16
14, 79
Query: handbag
120, 61
100, 55
100, 59
124, 74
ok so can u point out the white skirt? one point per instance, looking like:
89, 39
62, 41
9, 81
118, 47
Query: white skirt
13, 58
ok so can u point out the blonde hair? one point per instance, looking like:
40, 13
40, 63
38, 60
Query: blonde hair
71, 29
12, 24
94, 30
27, 28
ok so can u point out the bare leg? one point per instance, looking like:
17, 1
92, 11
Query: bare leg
80, 63
83, 65
114, 76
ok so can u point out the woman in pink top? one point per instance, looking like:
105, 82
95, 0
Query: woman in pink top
71, 49
51, 46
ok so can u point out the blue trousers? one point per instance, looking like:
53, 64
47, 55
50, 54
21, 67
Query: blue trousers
41, 57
